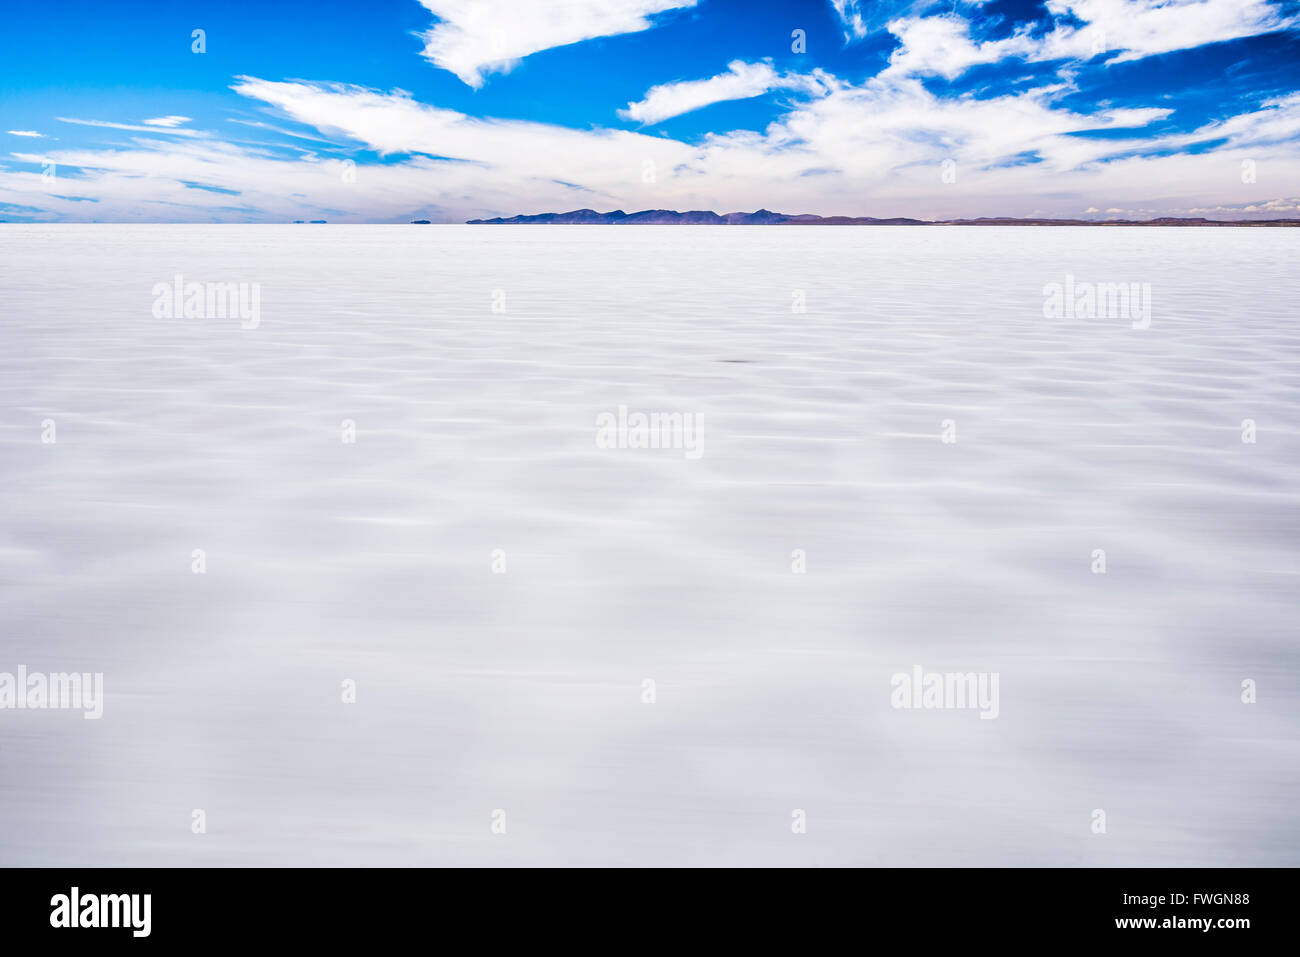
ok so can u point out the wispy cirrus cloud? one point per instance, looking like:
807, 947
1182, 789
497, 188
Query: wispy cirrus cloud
167, 121
133, 127
741, 81
1122, 30
473, 38
1140, 28
850, 14
861, 18
29, 133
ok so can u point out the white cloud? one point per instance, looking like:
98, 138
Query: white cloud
850, 14
520, 151
943, 46
1130, 29
32, 133
167, 121
861, 18
1281, 208
742, 81
477, 37
106, 124
1142, 28
281, 131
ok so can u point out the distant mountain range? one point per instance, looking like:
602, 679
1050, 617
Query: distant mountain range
765, 217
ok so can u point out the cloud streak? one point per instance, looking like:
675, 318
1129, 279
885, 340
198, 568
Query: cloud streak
741, 81
473, 38
133, 127
1119, 30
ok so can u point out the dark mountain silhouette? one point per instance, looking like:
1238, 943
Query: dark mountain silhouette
765, 217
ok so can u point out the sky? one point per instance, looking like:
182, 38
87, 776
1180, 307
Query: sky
393, 110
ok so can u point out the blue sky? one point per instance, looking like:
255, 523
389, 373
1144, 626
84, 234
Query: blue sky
448, 109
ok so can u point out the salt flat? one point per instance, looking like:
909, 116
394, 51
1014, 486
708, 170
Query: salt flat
519, 687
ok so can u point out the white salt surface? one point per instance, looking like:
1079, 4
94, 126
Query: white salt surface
522, 691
